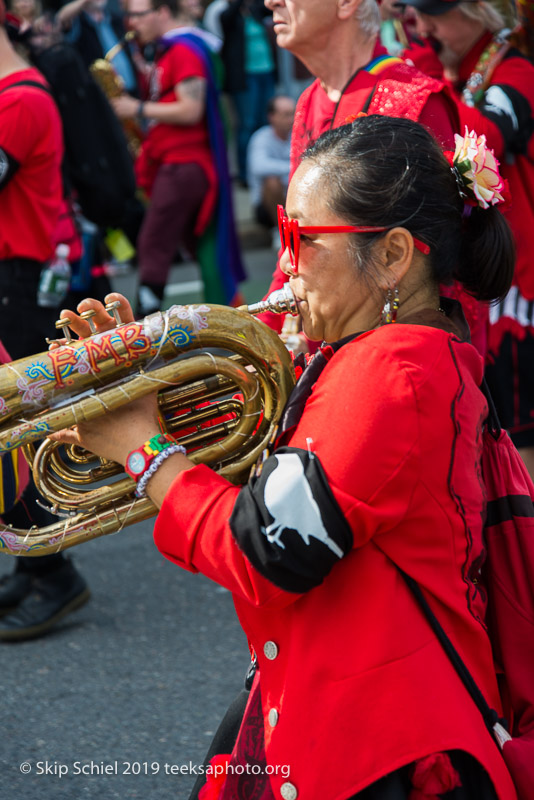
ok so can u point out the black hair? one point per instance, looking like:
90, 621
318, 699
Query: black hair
392, 172
174, 6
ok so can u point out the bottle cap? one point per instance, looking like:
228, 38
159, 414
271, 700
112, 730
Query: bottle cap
63, 250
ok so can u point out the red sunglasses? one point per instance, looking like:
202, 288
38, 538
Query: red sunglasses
290, 231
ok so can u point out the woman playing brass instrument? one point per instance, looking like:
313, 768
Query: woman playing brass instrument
376, 466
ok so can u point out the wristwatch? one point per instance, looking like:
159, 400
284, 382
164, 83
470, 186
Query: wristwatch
138, 461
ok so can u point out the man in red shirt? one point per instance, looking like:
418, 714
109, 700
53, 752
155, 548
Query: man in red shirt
31, 149
339, 45
40, 591
493, 84
176, 166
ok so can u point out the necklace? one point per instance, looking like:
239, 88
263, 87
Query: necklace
491, 56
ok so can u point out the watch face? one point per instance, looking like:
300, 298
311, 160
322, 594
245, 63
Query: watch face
136, 463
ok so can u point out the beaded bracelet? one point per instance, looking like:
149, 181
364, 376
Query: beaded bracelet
156, 464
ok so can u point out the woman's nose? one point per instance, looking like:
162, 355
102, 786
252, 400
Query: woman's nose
285, 264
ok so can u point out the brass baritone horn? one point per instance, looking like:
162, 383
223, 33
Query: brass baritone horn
190, 355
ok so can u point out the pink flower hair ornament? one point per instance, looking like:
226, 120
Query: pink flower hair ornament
477, 172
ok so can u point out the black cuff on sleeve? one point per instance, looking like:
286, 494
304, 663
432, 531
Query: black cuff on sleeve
510, 111
288, 522
8, 167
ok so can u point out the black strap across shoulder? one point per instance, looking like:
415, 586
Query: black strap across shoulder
35, 84
489, 714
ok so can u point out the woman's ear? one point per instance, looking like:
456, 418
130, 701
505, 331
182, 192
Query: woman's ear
396, 252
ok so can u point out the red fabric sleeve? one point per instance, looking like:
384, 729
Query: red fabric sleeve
192, 530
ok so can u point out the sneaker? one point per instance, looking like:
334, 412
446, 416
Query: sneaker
50, 598
13, 589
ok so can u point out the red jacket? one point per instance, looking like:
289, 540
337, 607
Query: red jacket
360, 683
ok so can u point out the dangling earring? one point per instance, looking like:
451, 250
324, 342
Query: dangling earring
391, 306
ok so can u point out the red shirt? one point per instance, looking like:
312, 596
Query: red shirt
31, 133
176, 144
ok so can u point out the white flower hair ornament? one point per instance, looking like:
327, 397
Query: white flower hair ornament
477, 172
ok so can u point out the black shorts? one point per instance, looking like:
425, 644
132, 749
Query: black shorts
24, 325
511, 381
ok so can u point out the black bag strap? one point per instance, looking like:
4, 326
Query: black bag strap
493, 422
490, 716
35, 84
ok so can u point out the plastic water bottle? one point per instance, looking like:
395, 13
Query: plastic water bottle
55, 279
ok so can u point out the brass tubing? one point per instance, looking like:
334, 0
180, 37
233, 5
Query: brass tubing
119, 366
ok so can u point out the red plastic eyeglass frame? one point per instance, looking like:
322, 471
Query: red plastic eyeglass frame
290, 231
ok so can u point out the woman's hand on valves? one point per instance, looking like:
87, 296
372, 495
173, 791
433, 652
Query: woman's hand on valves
115, 433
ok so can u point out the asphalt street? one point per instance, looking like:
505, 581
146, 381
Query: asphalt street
122, 698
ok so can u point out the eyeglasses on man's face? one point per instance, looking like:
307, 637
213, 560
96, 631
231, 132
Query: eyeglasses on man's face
290, 231
137, 14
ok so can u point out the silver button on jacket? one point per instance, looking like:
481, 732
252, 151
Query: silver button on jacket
288, 791
273, 717
270, 650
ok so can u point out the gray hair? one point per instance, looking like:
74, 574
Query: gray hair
368, 16
483, 12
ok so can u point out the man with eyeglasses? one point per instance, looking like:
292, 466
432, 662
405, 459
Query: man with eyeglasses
182, 165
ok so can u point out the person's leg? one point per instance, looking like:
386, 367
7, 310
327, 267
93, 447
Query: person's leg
177, 196
41, 590
24, 325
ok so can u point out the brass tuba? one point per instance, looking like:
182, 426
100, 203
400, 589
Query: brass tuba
190, 355
113, 86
